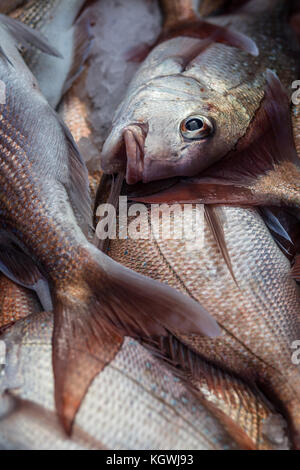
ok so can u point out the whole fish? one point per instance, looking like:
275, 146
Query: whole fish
68, 31
95, 301
192, 100
257, 310
134, 403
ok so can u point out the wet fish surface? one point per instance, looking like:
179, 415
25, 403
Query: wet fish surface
192, 99
44, 248
68, 31
134, 403
258, 312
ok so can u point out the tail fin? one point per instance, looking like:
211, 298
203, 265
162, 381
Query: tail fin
105, 302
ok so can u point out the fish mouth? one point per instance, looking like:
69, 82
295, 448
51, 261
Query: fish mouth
126, 153
134, 139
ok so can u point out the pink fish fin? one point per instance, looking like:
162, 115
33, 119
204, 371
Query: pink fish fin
202, 29
83, 344
104, 302
199, 29
201, 191
83, 38
265, 155
139, 53
21, 269
78, 186
197, 373
216, 225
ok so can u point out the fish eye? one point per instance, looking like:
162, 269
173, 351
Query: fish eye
196, 127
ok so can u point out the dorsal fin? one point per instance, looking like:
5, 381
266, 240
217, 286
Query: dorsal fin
25, 35
78, 189
215, 223
199, 29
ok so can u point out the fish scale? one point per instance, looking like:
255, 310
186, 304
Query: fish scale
198, 78
259, 317
135, 403
16, 302
44, 228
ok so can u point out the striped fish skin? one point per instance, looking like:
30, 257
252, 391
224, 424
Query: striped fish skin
259, 316
135, 403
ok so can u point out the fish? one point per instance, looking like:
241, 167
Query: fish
68, 27
257, 311
95, 301
193, 101
134, 403
263, 171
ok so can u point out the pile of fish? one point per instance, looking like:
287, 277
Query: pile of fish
151, 343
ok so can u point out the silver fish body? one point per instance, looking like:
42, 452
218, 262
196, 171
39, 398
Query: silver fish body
58, 22
258, 312
135, 403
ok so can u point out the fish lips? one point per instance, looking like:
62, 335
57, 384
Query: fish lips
124, 151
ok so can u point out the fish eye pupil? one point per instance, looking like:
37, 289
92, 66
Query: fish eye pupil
194, 124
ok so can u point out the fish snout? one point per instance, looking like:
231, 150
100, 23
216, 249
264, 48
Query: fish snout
113, 155
134, 139
126, 153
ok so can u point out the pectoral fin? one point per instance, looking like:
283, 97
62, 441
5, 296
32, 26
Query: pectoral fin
25, 35
20, 268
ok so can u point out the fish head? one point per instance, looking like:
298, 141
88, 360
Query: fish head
172, 126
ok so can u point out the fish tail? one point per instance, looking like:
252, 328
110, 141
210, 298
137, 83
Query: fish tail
104, 302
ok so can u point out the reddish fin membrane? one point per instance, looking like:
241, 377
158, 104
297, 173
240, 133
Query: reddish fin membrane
216, 227
81, 350
139, 53
199, 29
91, 319
202, 29
78, 188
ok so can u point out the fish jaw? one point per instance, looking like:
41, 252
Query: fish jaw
124, 150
